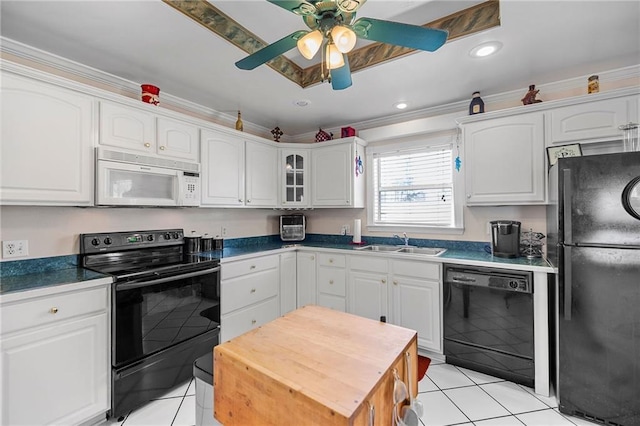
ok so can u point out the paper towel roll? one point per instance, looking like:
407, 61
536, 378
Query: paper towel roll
357, 231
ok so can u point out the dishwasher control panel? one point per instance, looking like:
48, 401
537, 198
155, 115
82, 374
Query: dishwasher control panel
501, 279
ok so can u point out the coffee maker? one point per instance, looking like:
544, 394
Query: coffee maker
505, 238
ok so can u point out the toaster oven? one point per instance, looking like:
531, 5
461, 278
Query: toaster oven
292, 227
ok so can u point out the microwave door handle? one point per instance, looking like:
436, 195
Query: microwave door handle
137, 284
180, 191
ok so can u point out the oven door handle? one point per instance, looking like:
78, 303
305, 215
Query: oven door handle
146, 283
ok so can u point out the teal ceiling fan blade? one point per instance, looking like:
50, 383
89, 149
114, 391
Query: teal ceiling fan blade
399, 34
299, 7
341, 77
269, 52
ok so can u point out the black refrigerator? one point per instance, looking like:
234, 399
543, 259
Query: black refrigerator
594, 241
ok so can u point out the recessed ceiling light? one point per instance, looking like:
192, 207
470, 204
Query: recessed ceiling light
401, 105
302, 102
485, 49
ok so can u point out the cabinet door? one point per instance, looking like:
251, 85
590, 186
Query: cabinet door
294, 185
126, 127
594, 121
261, 174
56, 375
331, 181
288, 291
47, 144
368, 294
222, 170
177, 139
505, 161
416, 305
306, 278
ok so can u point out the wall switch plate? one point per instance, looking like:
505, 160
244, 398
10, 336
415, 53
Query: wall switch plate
16, 248
223, 231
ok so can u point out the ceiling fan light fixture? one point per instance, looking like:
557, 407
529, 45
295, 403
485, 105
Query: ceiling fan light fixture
344, 38
309, 45
334, 57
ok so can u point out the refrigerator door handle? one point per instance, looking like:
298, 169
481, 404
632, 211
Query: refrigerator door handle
567, 197
567, 282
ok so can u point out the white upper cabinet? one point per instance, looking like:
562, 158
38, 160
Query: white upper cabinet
237, 173
294, 177
333, 175
504, 160
47, 144
136, 129
592, 121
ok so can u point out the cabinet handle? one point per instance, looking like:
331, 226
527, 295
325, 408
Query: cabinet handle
253, 290
253, 322
384, 281
53, 310
468, 195
330, 281
248, 201
330, 260
313, 257
240, 199
147, 145
162, 148
395, 282
252, 267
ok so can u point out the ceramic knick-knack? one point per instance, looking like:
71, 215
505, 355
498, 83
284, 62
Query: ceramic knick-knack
530, 97
477, 104
239, 125
276, 132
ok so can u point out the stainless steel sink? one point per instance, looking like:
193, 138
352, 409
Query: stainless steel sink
424, 251
379, 248
427, 251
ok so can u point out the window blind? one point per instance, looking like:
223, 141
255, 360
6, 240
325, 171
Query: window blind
414, 187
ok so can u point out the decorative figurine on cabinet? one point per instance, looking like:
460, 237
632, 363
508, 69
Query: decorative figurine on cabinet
530, 97
276, 132
322, 136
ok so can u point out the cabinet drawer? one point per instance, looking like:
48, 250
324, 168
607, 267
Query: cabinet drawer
333, 302
243, 320
368, 263
249, 266
246, 290
51, 309
335, 260
418, 269
332, 281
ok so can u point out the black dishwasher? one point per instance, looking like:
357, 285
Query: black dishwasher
488, 321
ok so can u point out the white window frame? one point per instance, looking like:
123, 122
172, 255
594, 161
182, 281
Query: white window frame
411, 143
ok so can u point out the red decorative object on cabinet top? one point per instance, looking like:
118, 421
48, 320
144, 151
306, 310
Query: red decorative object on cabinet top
150, 94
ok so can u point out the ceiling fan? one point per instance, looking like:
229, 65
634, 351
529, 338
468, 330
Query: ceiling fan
333, 30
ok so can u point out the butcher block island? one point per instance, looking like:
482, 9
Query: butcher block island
313, 366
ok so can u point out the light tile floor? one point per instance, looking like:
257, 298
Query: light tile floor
450, 395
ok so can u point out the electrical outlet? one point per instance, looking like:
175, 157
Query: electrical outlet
16, 248
345, 230
223, 231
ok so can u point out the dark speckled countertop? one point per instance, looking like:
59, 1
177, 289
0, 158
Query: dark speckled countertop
31, 274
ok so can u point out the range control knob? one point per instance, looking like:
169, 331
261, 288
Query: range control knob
108, 241
167, 236
150, 237
95, 242
175, 235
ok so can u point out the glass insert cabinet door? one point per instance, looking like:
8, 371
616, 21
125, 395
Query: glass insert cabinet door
295, 179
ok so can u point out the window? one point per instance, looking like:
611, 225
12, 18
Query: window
415, 186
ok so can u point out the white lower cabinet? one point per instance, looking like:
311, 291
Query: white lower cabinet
306, 278
55, 357
249, 295
406, 292
331, 281
288, 292
416, 300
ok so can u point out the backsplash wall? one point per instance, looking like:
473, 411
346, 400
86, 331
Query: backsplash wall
54, 231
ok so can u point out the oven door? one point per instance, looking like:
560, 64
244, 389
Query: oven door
150, 316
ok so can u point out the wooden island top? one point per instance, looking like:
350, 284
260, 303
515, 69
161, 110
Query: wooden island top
312, 366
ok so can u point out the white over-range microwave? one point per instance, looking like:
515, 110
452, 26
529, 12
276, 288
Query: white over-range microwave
125, 179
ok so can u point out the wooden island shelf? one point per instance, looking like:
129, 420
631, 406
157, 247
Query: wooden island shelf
313, 366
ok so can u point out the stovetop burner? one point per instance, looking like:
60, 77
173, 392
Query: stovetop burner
131, 255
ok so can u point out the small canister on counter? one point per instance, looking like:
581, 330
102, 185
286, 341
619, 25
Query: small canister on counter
207, 242
593, 85
192, 243
218, 243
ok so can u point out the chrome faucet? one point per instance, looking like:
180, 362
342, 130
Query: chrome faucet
406, 239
